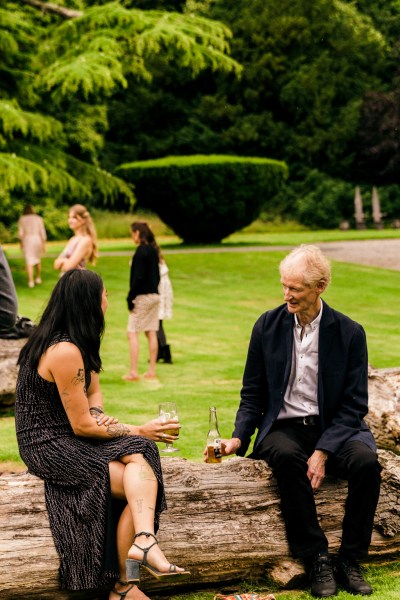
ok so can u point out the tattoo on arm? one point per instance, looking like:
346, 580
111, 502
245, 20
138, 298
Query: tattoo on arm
65, 399
79, 378
117, 430
95, 411
139, 505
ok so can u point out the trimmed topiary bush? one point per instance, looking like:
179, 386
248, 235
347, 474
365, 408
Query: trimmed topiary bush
203, 199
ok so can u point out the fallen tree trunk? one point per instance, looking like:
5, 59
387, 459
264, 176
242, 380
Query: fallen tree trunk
9, 352
384, 407
223, 523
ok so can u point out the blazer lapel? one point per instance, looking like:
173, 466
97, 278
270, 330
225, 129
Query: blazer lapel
325, 335
288, 337
326, 329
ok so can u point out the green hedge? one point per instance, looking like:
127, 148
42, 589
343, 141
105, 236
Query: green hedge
203, 199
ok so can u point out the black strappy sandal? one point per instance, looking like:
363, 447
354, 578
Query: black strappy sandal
133, 566
123, 594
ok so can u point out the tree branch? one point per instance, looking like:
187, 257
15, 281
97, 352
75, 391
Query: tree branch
49, 7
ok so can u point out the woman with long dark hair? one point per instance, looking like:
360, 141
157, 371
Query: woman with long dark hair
89, 461
143, 298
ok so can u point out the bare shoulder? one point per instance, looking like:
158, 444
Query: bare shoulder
64, 349
85, 240
63, 357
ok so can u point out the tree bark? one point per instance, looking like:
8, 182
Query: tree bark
9, 352
384, 407
223, 523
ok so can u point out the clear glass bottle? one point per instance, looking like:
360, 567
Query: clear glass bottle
213, 438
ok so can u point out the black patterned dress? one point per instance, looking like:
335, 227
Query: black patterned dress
81, 512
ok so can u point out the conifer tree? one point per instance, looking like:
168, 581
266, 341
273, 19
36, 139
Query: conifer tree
59, 66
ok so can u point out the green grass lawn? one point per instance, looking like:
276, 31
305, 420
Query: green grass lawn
218, 297
384, 578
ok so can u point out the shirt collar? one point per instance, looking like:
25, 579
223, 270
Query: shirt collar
314, 324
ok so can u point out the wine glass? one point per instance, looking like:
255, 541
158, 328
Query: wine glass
166, 411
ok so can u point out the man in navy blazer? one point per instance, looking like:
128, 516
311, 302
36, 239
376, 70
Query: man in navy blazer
305, 389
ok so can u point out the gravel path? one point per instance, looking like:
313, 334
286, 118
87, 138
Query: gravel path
375, 253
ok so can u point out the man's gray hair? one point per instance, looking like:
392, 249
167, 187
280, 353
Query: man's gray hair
309, 262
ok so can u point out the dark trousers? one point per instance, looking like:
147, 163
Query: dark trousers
286, 449
161, 337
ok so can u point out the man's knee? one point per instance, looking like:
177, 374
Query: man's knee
285, 456
363, 460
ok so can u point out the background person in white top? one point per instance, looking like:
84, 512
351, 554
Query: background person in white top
164, 312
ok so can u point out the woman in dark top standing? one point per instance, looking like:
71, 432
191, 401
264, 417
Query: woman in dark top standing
143, 299
87, 459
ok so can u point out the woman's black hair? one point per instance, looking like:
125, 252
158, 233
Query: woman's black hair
74, 309
146, 235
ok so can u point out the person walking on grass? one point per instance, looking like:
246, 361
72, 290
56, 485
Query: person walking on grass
32, 237
305, 388
143, 299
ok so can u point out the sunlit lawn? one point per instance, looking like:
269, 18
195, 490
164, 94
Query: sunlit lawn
218, 297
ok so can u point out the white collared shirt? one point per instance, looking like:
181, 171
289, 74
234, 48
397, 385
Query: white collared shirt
301, 397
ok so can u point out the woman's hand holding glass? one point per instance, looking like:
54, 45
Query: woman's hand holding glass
159, 430
168, 416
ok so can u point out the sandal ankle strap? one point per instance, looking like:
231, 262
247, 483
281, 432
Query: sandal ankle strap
122, 595
147, 534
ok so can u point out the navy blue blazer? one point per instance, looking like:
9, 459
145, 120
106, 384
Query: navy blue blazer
342, 379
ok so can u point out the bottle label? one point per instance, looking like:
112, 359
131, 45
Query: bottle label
217, 448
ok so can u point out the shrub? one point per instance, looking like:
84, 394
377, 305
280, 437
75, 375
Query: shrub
323, 202
205, 198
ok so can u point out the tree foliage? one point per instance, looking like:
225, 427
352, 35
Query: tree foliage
309, 71
58, 74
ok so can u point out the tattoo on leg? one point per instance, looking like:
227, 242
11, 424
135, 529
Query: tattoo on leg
147, 473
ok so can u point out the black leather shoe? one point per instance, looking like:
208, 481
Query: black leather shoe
349, 576
323, 582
